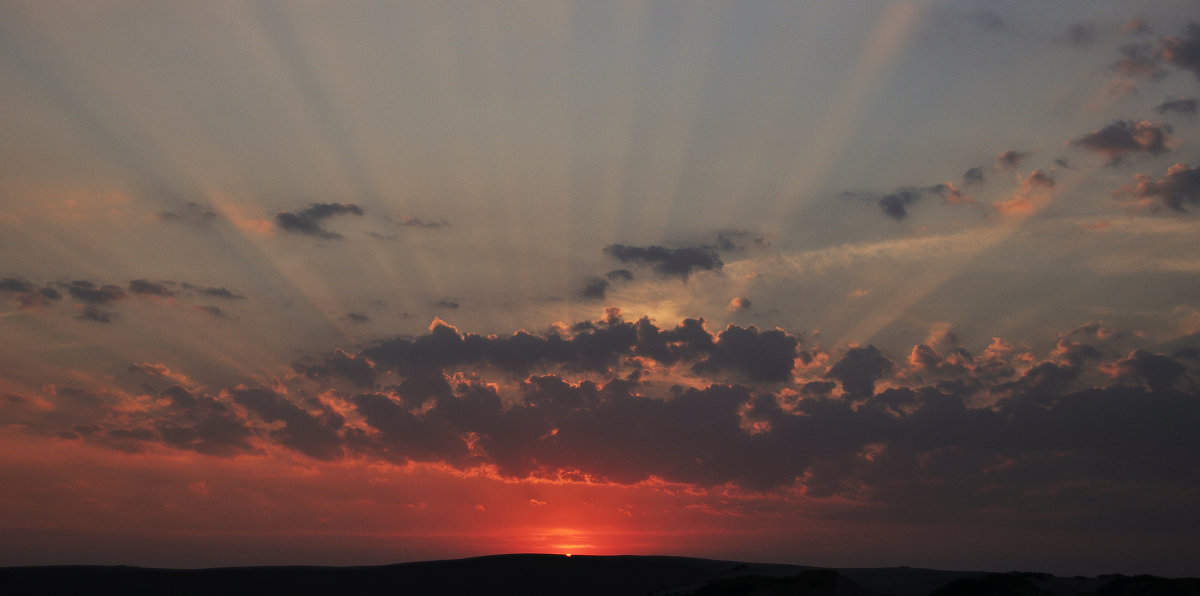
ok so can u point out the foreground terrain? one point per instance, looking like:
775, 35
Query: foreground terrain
579, 575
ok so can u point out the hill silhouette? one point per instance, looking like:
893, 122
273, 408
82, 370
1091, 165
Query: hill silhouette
530, 574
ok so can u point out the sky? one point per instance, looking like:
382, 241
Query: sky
829, 283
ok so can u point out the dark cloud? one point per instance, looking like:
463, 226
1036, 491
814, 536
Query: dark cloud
1124, 137
896, 205
1183, 51
309, 221
313, 433
445, 303
681, 262
92, 293
752, 355
731, 240
858, 370
357, 317
619, 275
1179, 189
16, 285
1138, 60
973, 176
594, 288
27, 294
744, 353
416, 222
1181, 106
149, 288
203, 424
1159, 372
942, 435
212, 310
1011, 159
355, 368
192, 212
91, 313
213, 292
1081, 35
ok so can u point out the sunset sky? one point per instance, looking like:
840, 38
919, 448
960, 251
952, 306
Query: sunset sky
831, 283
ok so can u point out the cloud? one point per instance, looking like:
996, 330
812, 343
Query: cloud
939, 433
313, 433
28, 295
309, 221
1183, 51
91, 313
356, 317
1159, 372
445, 303
594, 288
212, 292
1033, 193
191, 213
619, 275
416, 222
738, 303
1123, 137
973, 176
1081, 35
680, 262
1181, 106
92, 293
1138, 61
1011, 159
1179, 189
858, 370
148, 288
896, 205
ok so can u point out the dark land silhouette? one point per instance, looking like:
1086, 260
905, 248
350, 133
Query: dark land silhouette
578, 575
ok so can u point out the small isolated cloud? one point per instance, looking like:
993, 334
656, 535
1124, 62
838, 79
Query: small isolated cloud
310, 220
973, 176
1011, 159
191, 213
445, 303
1124, 137
594, 288
416, 222
680, 262
356, 317
91, 313
1185, 105
1179, 189
738, 303
1081, 35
